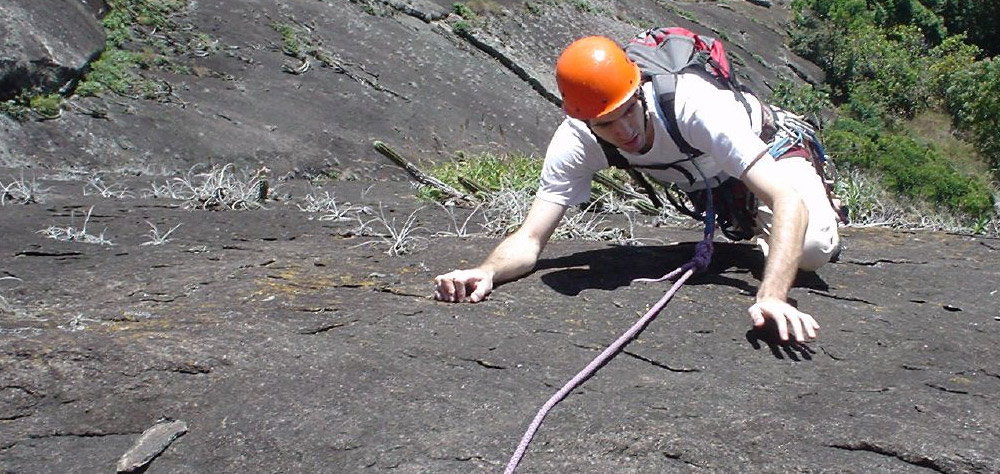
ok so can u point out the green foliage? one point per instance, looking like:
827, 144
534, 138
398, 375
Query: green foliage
44, 106
461, 27
463, 10
290, 42
977, 19
972, 96
888, 61
804, 100
124, 15
908, 167
114, 71
492, 172
131, 46
533, 8
47, 105
583, 6
17, 109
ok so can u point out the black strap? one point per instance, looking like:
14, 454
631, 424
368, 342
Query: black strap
616, 160
666, 102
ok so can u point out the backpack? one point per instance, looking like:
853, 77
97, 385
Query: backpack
662, 54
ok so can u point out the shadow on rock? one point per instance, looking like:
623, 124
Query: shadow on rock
768, 335
615, 267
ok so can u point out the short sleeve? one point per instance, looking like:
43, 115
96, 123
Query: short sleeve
572, 158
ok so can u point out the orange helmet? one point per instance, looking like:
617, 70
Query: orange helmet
595, 77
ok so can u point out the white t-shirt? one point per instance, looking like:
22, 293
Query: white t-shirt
709, 118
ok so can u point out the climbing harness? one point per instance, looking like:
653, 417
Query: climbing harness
697, 264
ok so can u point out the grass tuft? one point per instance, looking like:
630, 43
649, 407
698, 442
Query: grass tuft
399, 239
21, 191
158, 238
217, 188
73, 234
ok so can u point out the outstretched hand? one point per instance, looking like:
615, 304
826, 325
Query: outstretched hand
463, 286
803, 326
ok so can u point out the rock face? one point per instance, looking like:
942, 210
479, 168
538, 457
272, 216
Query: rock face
47, 44
289, 343
409, 73
289, 339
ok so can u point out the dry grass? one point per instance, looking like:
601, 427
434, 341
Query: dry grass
73, 234
218, 188
21, 191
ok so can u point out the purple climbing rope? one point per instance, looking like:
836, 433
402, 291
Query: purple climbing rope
697, 264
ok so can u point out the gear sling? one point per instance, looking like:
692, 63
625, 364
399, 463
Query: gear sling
663, 53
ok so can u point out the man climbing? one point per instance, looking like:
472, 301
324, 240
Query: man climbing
613, 109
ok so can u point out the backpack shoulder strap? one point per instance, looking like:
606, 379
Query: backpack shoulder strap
614, 157
664, 93
617, 160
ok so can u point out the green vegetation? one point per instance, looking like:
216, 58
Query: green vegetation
889, 62
463, 10
47, 105
114, 71
143, 35
291, 44
804, 100
486, 173
42, 105
125, 15
462, 27
15, 109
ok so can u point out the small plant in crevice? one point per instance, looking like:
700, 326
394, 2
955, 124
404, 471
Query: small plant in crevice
21, 191
218, 188
460, 230
73, 234
47, 106
157, 237
399, 239
95, 185
28, 103
329, 208
464, 10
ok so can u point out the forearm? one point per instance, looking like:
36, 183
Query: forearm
785, 243
513, 258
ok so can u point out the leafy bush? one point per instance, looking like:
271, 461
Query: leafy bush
804, 100
908, 167
888, 61
971, 95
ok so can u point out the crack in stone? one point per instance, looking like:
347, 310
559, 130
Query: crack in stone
951, 390
870, 390
484, 363
829, 354
414, 12
841, 298
909, 458
185, 369
511, 65
86, 434
39, 253
872, 263
660, 364
680, 457
393, 291
325, 327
